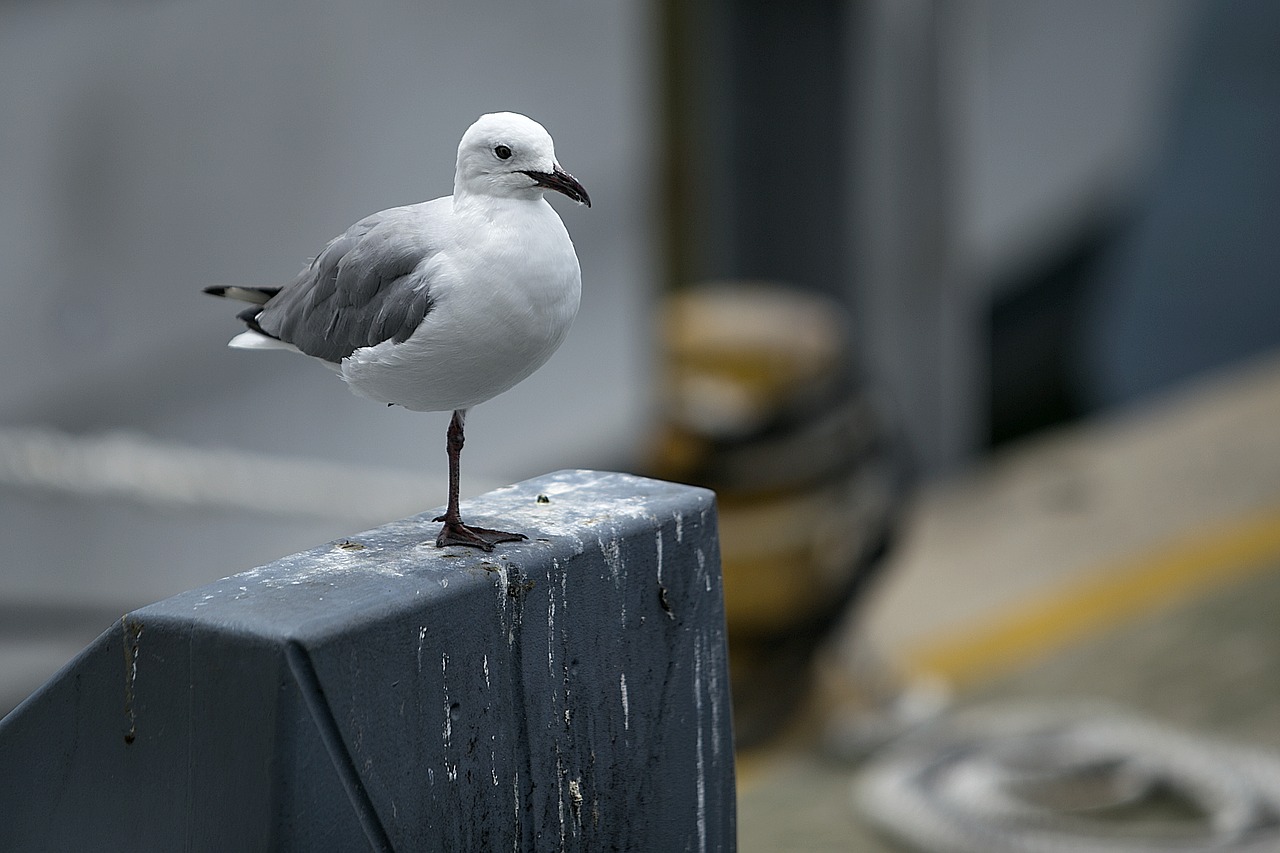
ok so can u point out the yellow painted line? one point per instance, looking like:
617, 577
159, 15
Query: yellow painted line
1172, 572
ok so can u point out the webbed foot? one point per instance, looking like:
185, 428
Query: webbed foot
457, 533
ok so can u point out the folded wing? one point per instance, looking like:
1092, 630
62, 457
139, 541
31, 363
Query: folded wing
369, 285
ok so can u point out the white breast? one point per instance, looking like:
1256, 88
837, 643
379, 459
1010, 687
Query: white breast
504, 296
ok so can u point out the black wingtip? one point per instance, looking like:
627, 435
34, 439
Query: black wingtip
215, 290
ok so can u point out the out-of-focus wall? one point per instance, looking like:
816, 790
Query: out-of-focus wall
987, 135
152, 149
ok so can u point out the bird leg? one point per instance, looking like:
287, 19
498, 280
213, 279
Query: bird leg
454, 531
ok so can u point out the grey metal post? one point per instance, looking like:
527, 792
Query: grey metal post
566, 693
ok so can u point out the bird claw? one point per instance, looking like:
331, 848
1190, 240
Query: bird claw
457, 533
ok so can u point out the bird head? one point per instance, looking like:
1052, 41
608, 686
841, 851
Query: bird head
507, 155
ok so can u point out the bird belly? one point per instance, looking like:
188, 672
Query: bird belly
474, 344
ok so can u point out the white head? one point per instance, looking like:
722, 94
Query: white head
507, 155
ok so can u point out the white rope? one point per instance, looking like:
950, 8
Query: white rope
140, 468
1075, 780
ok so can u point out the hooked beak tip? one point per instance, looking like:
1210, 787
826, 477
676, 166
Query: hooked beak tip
562, 182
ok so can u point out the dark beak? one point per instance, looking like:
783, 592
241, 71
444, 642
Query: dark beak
562, 182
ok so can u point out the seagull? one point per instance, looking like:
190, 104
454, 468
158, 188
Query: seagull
441, 305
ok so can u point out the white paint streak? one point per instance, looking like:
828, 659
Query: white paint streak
450, 769
422, 638
563, 577
713, 685
611, 551
486, 671
504, 600
575, 798
679, 527
702, 770
133, 653
659, 539
448, 708
515, 797
551, 630
702, 568
626, 704
564, 830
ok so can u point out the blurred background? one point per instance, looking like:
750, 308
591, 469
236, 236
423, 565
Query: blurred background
954, 303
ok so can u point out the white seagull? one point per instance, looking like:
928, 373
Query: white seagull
441, 305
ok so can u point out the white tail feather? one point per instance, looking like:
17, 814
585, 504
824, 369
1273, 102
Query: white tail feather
257, 340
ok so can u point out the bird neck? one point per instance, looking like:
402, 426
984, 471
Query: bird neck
491, 207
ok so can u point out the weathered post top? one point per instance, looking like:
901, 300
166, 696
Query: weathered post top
566, 693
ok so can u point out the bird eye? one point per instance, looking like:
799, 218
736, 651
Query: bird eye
502, 152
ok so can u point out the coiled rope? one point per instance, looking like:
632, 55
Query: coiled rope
1071, 780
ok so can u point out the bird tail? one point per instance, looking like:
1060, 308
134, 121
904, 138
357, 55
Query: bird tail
252, 295
253, 339
257, 337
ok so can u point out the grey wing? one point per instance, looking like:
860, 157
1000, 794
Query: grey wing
366, 287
